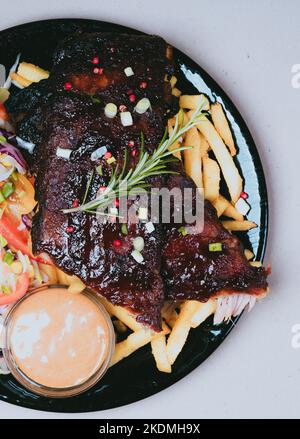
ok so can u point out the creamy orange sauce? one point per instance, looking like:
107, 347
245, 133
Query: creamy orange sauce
58, 339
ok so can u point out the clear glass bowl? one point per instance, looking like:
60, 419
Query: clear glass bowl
40, 389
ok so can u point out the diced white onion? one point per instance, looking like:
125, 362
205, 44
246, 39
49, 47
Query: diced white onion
149, 227
25, 145
137, 256
142, 106
98, 153
128, 71
242, 206
143, 213
63, 153
110, 110
138, 243
126, 118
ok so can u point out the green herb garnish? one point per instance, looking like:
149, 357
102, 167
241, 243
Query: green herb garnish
215, 247
3, 139
95, 100
183, 230
14, 176
8, 189
5, 290
124, 229
111, 160
123, 182
99, 170
1, 197
8, 258
3, 242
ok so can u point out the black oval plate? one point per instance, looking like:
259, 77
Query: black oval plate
136, 377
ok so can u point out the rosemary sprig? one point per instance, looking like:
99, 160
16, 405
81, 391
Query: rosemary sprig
132, 182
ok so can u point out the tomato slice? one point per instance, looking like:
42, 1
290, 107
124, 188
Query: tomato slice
21, 289
17, 239
3, 113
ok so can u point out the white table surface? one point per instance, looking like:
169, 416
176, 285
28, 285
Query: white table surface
249, 48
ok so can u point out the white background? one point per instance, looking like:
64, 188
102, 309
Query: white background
249, 47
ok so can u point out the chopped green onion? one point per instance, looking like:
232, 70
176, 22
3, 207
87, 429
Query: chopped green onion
14, 175
183, 230
1, 197
95, 100
3, 139
99, 170
8, 258
124, 229
3, 241
8, 189
110, 160
5, 290
215, 247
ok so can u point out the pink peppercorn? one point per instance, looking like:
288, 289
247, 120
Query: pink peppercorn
244, 195
95, 60
67, 86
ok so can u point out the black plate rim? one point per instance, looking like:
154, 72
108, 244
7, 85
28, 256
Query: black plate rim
262, 190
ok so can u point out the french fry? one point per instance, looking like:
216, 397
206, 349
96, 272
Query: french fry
135, 341
203, 312
76, 286
256, 264
220, 204
20, 80
239, 226
119, 326
229, 169
211, 179
31, 72
50, 272
171, 123
122, 314
181, 329
222, 126
169, 314
192, 156
64, 278
232, 212
176, 92
204, 146
192, 102
159, 351
248, 253
173, 81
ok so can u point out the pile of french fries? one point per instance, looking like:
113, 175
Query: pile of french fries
211, 156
